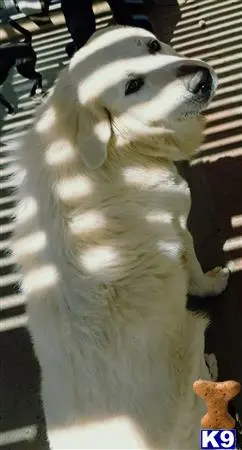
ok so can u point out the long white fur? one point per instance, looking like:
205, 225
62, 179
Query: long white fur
104, 251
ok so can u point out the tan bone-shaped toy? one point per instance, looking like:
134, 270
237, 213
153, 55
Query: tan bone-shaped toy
217, 395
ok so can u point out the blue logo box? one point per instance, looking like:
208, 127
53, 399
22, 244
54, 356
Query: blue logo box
218, 439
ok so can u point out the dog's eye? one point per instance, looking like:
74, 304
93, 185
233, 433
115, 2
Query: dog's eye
134, 85
154, 46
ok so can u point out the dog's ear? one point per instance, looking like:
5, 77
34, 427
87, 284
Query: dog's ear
93, 134
86, 125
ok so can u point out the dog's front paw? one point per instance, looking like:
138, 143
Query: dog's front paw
217, 280
214, 282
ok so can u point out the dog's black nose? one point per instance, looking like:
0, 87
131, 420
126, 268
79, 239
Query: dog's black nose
198, 80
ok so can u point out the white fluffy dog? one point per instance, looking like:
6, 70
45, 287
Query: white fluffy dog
106, 258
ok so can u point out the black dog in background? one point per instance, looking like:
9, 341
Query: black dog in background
23, 57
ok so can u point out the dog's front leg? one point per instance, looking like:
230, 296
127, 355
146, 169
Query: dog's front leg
211, 283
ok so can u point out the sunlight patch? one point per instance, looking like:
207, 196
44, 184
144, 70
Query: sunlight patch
74, 187
159, 217
119, 433
59, 152
102, 131
11, 279
46, 121
29, 245
94, 84
171, 249
13, 323
7, 228
41, 278
234, 265
7, 261
99, 258
86, 222
236, 221
18, 435
11, 301
27, 208
143, 177
233, 244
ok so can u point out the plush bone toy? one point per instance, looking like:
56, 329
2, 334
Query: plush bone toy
217, 396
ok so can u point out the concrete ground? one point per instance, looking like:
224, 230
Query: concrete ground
215, 178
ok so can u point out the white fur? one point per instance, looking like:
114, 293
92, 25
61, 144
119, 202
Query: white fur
105, 254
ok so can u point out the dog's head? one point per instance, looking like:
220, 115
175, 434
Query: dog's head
131, 88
